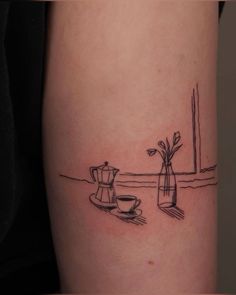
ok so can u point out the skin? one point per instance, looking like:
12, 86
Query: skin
119, 77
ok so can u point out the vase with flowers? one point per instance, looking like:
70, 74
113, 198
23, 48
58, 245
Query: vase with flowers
167, 187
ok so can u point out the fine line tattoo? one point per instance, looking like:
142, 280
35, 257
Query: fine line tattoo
167, 185
197, 179
167, 182
204, 185
124, 207
74, 178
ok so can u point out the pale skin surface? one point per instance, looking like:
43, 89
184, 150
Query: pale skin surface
120, 76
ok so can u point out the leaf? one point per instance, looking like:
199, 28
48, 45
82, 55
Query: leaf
151, 152
162, 154
162, 145
168, 145
175, 150
176, 137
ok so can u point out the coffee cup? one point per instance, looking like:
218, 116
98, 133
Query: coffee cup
127, 203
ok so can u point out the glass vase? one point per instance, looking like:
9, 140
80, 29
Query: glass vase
167, 189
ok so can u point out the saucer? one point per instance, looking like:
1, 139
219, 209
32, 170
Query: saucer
127, 215
100, 204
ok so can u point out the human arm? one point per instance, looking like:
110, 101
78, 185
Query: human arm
120, 77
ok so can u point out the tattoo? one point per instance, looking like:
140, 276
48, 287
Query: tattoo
204, 185
74, 178
127, 207
167, 186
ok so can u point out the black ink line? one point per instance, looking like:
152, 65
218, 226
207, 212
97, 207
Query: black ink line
154, 174
135, 181
194, 131
77, 179
139, 174
199, 130
198, 119
177, 212
141, 218
142, 222
174, 215
134, 220
195, 187
174, 212
197, 179
208, 169
140, 186
179, 209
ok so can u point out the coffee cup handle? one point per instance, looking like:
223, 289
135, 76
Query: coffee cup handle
138, 202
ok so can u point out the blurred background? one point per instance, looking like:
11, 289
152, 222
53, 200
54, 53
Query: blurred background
227, 149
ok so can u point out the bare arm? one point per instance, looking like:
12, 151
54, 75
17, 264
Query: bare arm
123, 76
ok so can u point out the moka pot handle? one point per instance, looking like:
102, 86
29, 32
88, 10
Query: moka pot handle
91, 170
